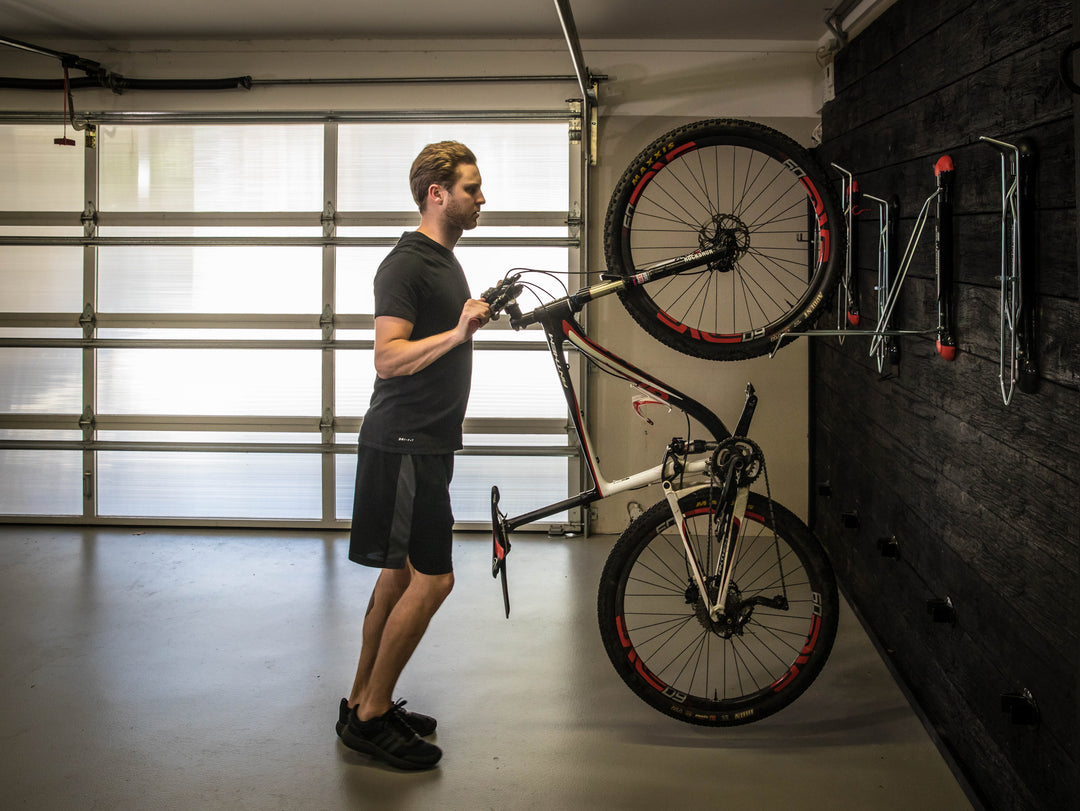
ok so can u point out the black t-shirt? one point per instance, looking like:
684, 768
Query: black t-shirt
421, 282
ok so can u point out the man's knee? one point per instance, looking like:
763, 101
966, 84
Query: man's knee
447, 584
433, 587
394, 582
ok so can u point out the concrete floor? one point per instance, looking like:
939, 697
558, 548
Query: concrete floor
202, 669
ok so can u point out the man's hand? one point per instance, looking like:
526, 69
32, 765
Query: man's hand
474, 315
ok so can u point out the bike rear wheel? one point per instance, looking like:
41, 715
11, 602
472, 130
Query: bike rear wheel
753, 193
658, 634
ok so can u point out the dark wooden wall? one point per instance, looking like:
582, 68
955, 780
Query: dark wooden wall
981, 498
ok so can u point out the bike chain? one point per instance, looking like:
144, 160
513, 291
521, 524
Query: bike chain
772, 520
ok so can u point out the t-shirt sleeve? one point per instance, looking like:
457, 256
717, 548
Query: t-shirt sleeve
397, 288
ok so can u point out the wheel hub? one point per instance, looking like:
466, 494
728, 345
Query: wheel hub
735, 615
728, 234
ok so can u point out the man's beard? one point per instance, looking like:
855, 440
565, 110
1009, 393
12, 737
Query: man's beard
462, 216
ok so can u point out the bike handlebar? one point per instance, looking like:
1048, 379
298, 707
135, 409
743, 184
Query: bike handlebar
502, 297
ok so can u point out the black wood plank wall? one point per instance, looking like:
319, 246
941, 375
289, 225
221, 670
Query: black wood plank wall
979, 500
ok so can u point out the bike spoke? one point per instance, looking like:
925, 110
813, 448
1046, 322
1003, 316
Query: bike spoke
682, 208
677, 641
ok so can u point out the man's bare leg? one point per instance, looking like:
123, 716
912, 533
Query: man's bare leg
401, 632
389, 587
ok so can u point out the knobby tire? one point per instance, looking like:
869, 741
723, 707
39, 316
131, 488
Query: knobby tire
760, 198
662, 642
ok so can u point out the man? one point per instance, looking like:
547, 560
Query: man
424, 322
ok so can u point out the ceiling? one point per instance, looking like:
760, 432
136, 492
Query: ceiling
31, 20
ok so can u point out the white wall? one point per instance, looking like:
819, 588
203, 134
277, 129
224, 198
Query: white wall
650, 88
626, 443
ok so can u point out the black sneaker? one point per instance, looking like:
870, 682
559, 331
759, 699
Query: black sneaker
389, 738
423, 725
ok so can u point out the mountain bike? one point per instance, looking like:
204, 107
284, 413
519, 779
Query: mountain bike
716, 605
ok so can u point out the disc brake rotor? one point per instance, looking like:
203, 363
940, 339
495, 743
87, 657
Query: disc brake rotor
730, 235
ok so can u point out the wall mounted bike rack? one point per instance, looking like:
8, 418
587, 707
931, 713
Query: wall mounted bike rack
888, 294
1018, 366
883, 345
1017, 327
943, 256
847, 303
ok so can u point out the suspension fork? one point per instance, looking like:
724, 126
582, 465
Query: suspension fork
729, 543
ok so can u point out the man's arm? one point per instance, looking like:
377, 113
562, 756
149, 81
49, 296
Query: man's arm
396, 354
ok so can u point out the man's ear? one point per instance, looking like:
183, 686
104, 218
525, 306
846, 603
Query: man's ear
436, 194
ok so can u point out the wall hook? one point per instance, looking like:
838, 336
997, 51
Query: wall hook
1022, 709
889, 547
941, 609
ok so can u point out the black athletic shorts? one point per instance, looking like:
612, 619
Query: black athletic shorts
401, 509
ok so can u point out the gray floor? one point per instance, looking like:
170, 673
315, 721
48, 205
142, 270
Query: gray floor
181, 669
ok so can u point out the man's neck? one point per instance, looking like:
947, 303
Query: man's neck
446, 236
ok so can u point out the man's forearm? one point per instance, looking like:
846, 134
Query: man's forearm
403, 356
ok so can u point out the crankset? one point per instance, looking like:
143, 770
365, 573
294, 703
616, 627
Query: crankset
744, 455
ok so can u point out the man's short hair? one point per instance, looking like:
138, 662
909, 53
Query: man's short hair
437, 163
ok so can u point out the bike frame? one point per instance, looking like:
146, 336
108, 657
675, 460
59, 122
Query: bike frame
561, 328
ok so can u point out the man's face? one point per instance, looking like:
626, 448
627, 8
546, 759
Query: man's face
465, 198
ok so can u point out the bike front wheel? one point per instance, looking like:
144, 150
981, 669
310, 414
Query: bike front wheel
763, 653
754, 198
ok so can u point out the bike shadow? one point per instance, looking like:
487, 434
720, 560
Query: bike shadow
879, 726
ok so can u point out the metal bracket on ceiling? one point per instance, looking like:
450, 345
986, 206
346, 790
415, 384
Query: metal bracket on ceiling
835, 24
566, 18
834, 19
586, 81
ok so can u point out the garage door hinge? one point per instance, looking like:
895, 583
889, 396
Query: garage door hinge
326, 426
574, 218
326, 321
329, 220
89, 219
87, 421
88, 321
